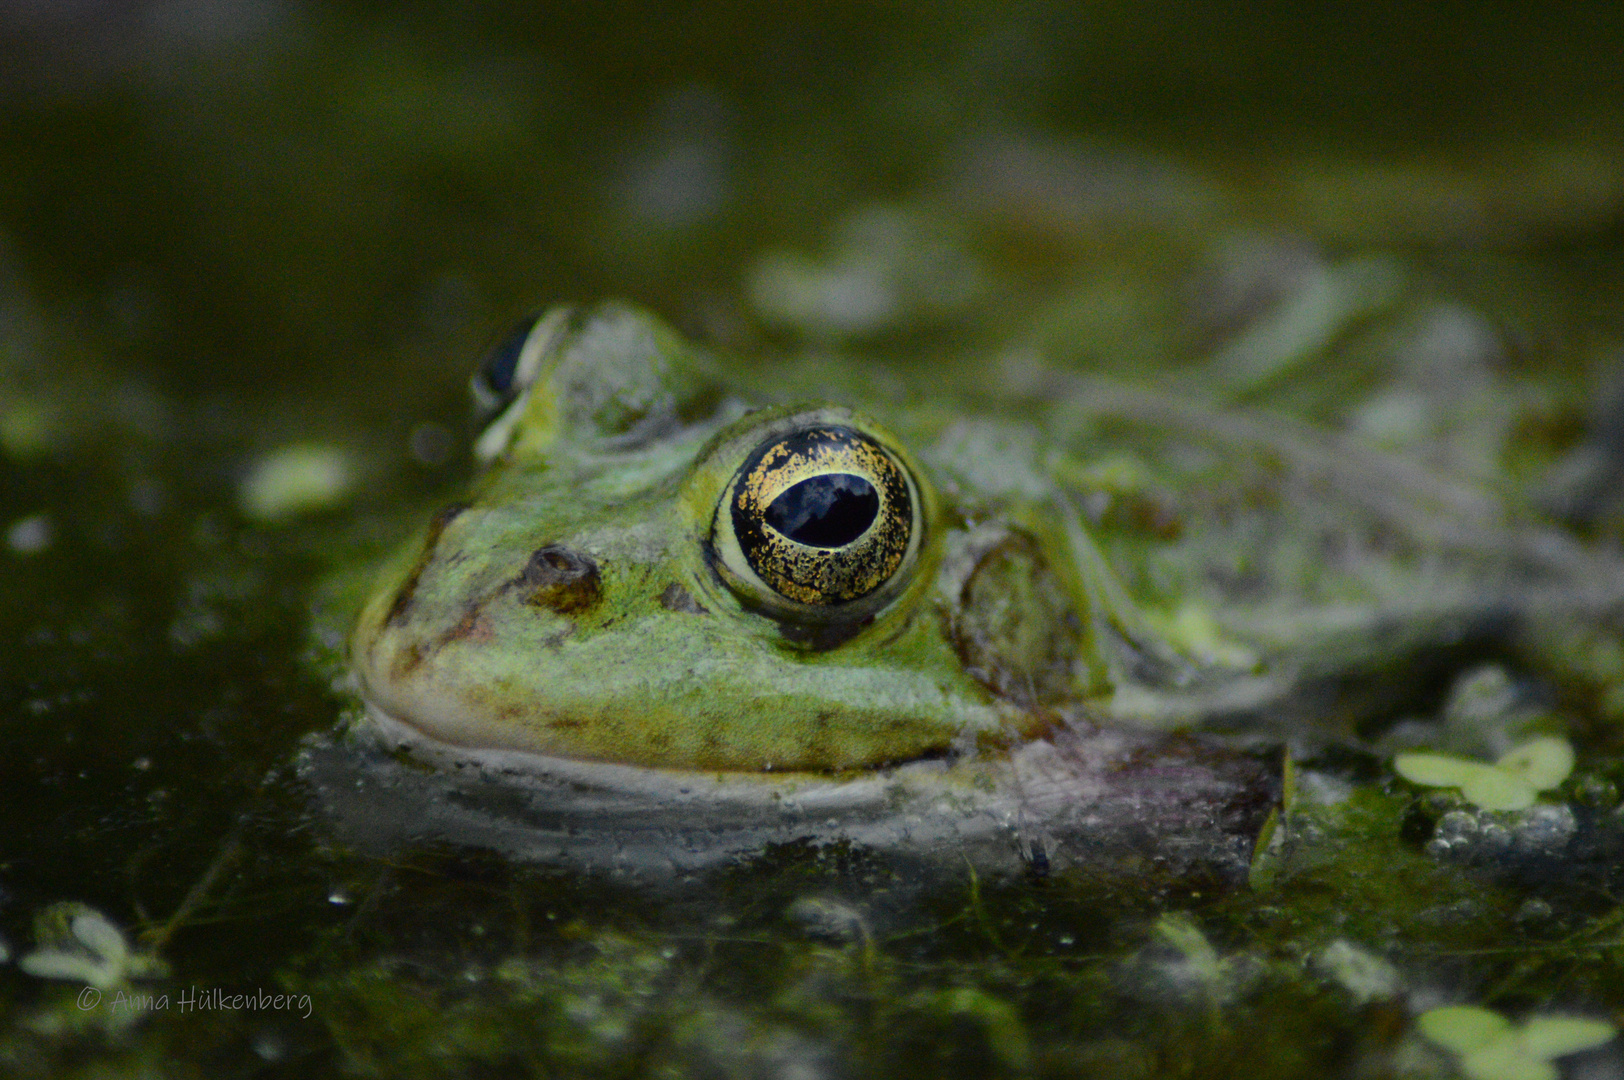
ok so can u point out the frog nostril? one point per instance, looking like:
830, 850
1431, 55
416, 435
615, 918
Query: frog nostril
561, 579
555, 563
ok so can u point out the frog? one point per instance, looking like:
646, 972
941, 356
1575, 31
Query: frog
678, 618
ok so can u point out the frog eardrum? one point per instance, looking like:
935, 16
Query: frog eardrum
824, 518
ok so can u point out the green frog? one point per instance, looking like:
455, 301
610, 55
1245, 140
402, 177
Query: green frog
672, 622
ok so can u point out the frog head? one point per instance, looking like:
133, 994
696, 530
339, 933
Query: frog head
652, 571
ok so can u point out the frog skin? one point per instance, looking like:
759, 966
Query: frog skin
672, 623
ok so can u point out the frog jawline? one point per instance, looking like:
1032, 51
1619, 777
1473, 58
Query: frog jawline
669, 787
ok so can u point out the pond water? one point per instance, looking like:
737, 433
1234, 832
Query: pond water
230, 229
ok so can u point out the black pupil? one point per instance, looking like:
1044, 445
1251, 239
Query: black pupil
827, 511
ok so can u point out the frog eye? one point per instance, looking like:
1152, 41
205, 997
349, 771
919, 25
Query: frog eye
495, 383
818, 524
501, 385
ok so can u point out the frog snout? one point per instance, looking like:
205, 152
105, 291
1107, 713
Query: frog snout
561, 579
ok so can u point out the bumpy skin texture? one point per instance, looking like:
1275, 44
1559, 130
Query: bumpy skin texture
578, 606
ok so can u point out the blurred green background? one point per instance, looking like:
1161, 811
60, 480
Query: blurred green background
228, 224
249, 193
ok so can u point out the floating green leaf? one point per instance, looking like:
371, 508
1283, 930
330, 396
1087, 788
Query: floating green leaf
1506, 1060
1495, 789
1512, 783
1543, 763
1556, 1036
1491, 1048
1462, 1028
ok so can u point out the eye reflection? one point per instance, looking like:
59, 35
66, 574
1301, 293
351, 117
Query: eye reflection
828, 511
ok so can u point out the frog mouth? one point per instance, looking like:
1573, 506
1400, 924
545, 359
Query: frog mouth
669, 786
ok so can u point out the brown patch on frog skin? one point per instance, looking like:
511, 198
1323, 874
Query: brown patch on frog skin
403, 596
406, 660
676, 598
473, 626
561, 579
516, 714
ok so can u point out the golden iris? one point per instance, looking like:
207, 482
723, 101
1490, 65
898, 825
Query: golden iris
823, 515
